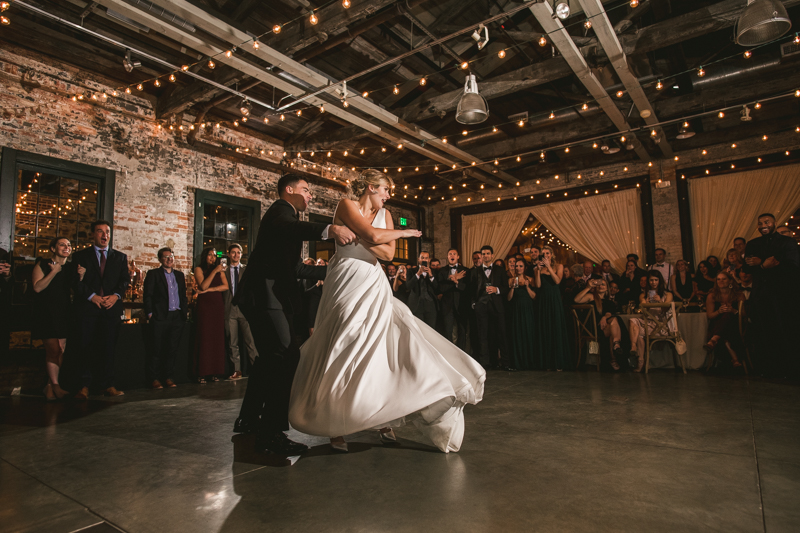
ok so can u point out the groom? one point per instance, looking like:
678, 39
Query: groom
269, 296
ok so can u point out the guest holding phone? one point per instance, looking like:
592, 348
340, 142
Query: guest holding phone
655, 293
607, 314
422, 288
209, 346
399, 284
551, 325
53, 310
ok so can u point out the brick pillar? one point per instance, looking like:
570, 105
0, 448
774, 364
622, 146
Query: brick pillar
666, 220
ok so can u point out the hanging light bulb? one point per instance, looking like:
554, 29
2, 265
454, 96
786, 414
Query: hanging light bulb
361, 151
383, 148
157, 83
228, 53
396, 90
423, 81
521, 123
313, 19
757, 105
4, 6
299, 112
444, 140
620, 94
585, 106
346, 4
345, 153
519, 159
494, 129
566, 150
127, 90
365, 94
211, 64
721, 114
501, 54
464, 65
542, 156
747, 54
266, 120
594, 145
659, 85
345, 103
701, 72
587, 24
322, 108
4, 20
140, 87
562, 10
276, 29
256, 44
634, 3
542, 41
400, 146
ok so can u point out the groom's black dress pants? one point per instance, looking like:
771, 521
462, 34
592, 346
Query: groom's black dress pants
270, 382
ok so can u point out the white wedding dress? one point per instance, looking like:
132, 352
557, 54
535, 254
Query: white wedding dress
370, 363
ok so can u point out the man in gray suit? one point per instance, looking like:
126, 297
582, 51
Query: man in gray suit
237, 330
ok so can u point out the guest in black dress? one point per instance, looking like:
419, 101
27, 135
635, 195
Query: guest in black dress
607, 313
704, 280
209, 346
53, 309
681, 283
628, 283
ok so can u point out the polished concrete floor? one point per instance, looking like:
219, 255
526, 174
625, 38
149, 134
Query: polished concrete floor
544, 451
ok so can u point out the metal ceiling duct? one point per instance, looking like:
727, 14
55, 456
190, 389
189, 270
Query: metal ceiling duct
472, 108
761, 21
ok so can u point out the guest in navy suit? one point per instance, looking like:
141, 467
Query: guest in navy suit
98, 304
166, 307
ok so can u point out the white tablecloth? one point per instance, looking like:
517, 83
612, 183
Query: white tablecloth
693, 328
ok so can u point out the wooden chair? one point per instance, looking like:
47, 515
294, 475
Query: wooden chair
660, 324
585, 328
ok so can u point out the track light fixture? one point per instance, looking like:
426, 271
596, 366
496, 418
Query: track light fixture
129, 63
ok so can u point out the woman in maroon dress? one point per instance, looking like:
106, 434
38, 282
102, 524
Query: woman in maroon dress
209, 317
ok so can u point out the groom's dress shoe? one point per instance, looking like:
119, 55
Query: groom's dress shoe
388, 438
279, 443
243, 425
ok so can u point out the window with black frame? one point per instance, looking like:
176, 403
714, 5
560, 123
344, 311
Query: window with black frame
224, 225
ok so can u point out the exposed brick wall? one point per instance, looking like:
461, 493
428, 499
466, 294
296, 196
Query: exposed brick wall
158, 172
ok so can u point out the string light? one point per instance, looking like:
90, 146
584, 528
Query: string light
542, 41
764, 138
282, 117
587, 24
400, 146
701, 72
313, 19
659, 85
585, 106
322, 108
346, 4
211, 64
757, 105
464, 65
4, 6
140, 87
276, 29
157, 83
501, 54
4, 20
172, 78
228, 53
747, 54
127, 90
423, 81
299, 112
620, 94
365, 94
465, 132
256, 44
634, 3
396, 90
721, 114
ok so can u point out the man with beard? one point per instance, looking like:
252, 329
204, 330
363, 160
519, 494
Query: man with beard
774, 262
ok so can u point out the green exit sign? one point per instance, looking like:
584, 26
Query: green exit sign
403, 222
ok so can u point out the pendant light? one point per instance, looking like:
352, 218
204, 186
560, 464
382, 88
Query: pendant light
761, 21
472, 108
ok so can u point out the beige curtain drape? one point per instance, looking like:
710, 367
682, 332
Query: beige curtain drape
725, 207
607, 226
498, 230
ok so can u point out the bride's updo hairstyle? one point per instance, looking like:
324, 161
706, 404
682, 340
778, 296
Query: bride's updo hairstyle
358, 186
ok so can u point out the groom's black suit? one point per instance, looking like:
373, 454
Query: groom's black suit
269, 296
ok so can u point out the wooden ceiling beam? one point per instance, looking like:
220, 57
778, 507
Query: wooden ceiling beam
196, 92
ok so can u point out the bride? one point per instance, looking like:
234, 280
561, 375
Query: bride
370, 363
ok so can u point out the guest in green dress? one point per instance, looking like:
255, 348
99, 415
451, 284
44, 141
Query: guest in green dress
550, 328
521, 319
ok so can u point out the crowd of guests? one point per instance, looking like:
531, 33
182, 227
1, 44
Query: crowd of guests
509, 314
512, 314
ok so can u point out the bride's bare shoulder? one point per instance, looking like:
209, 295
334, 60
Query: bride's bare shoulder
344, 204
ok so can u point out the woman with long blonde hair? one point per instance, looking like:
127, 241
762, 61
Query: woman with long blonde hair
370, 363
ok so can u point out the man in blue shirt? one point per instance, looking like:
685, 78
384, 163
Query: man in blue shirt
165, 305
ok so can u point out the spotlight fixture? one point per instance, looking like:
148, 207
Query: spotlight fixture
472, 108
129, 63
562, 10
761, 21
482, 40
